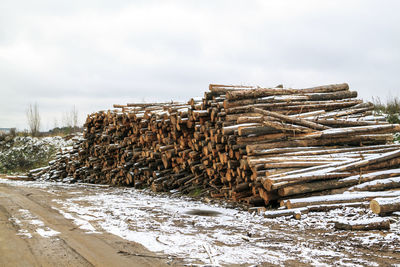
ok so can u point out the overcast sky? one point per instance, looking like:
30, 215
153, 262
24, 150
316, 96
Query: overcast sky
93, 53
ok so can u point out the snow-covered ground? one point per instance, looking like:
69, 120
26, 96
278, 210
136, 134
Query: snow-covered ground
19, 153
180, 227
26, 218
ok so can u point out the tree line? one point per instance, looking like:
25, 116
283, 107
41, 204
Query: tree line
69, 120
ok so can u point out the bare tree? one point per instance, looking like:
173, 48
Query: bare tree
70, 119
55, 123
67, 120
33, 116
74, 115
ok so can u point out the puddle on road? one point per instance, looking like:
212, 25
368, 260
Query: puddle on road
200, 212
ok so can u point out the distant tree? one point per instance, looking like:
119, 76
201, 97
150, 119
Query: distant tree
33, 116
55, 123
70, 119
74, 115
67, 120
13, 132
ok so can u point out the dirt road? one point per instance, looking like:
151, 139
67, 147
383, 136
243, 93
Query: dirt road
33, 233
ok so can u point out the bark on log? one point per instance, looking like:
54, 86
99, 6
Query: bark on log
378, 138
295, 213
364, 225
263, 92
297, 121
378, 185
335, 199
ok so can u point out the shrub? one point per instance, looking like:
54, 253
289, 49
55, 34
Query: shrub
392, 105
20, 154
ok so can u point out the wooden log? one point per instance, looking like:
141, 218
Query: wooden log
376, 159
330, 133
377, 138
263, 92
295, 213
293, 120
219, 89
312, 187
290, 98
285, 127
344, 123
363, 225
339, 198
347, 112
231, 129
285, 181
328, 207
253, 119
384, 206
298, 107
361, 179
388, 164
378, 185
257, 130
260, 138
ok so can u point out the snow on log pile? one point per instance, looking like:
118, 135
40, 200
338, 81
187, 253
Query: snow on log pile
260, 146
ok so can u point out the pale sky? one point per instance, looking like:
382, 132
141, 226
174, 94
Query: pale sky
96, 53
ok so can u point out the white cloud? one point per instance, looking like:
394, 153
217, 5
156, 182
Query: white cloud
97, 53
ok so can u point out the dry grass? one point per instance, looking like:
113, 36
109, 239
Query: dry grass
391, 108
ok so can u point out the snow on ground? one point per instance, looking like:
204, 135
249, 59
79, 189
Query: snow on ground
170, 225
81, 221
48, 232
28, 152
29, 223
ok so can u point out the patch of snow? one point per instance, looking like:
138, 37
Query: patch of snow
83, 224
24, 233
362, 222
47, 232
21, 232
37, 222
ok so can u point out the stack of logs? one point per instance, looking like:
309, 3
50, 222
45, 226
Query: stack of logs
259, 146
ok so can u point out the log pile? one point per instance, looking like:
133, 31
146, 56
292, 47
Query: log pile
259, 146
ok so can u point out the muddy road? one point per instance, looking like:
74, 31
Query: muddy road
49, 224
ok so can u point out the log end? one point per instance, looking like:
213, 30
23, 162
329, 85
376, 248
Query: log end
297, 215
375, 207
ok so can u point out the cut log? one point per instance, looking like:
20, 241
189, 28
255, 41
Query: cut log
331, 133
377, 138
231, 129
383, 206
328, 207
373, 160
295, 213
298, 121
364, 225
378, 185
339, 198
263, 92
312, 187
